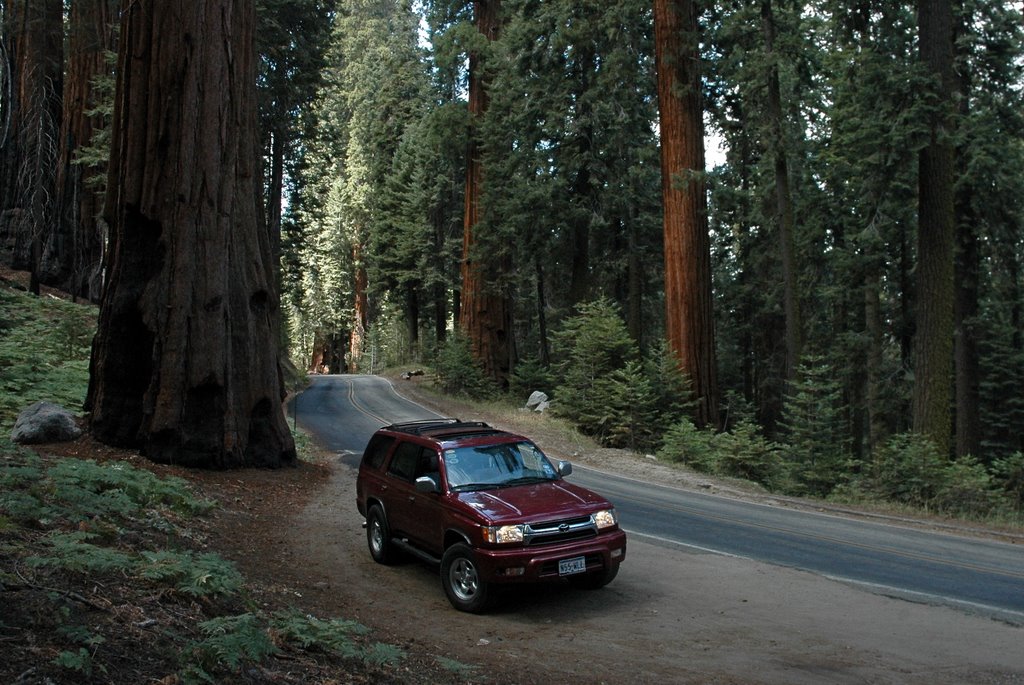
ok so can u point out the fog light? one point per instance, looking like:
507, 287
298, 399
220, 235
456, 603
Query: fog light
616, 553
514, 571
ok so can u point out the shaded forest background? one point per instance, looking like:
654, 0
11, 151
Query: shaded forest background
861, 214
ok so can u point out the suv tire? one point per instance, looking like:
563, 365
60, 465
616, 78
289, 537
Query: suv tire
378, 536
460, 578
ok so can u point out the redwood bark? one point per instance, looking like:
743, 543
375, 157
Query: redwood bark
91, 36
35, 44
484, 309
689, 317
185, 362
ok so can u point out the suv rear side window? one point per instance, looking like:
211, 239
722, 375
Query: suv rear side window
403, 464
377, 450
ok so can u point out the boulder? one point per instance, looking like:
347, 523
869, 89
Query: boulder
538, 401
45, 422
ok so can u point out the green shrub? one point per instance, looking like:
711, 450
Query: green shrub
199, 576
908, 469
1009, 477
685, 443
745, 453
815, 429
458, 373
597, 365
528, 376
228, 643
965, 489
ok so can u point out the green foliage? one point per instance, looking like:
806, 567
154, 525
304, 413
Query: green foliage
80, 661
82, 490
687, 444
458, 372
528, 376
594, 371
73, 552
1009, 473
310, 632
458, 668
740, 453
745, 453
228, 642
44, 351
196, 575
816, 434
381, 654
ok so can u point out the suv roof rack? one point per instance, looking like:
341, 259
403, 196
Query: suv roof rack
437, 425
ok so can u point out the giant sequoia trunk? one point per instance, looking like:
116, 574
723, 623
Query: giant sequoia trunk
78, 263
689, 319
185, 363
484, 309
34, 34
933, 343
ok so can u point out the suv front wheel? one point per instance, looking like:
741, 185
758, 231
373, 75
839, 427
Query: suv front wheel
378, 537
461, 580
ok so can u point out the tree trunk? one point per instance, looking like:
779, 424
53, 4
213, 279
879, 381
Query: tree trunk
967, 369
874, 331
933, 345
783, 200
36, 49
689, 316
361, 305
484, 309
91, 36
185, 362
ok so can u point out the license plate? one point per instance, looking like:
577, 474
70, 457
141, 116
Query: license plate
567, 567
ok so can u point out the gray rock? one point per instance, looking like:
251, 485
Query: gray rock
536, 398
45, 422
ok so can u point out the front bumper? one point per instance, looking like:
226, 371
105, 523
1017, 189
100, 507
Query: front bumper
535, 564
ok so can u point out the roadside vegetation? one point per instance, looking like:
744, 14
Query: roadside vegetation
105, 575
602, 385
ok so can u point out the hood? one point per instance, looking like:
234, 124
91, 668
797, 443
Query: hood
556, 499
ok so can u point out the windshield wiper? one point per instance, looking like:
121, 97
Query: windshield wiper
475, 486
526, 480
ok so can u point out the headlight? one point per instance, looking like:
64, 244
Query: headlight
503, 534
605, 519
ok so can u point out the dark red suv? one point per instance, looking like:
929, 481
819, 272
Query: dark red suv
487, 506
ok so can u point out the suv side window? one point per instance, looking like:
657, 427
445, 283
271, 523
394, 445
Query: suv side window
377, 450
405, 461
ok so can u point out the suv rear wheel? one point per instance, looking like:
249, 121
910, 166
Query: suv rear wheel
461, 580
378, 536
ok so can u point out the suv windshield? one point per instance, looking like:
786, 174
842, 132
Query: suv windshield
496, 466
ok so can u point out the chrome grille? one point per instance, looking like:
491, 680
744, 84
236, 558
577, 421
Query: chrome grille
552, 532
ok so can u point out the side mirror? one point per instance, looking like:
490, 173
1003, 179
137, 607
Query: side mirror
427, 484
564, 468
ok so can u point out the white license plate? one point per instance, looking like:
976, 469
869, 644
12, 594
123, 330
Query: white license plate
567, 567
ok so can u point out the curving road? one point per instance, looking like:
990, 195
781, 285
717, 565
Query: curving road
979, 576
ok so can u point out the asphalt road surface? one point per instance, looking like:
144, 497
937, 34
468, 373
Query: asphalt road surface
978, 576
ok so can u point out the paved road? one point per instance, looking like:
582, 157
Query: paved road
979, 576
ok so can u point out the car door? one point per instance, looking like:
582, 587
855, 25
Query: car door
411, 514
